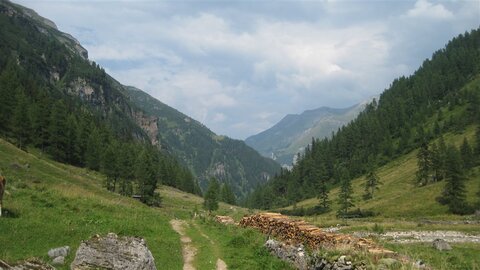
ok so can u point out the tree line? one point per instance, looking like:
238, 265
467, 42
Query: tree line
37, 110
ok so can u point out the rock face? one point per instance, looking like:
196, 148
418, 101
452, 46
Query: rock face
31, 264
440, 244
113, 252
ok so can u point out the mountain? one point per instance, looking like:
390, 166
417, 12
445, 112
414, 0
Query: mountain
42, 67
207, 154
295, 131
413, 114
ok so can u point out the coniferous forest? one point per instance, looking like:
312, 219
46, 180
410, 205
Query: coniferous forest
409, 114
37, 110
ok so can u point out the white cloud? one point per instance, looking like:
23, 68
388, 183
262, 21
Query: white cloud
425, 9
240, 68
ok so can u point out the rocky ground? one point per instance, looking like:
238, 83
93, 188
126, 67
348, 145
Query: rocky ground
422, 236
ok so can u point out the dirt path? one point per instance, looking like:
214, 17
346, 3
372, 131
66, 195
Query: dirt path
221, 265
188, 250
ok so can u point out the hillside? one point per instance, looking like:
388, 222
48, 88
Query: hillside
43, 67
207, 154
441, 97
295, 131
49, 204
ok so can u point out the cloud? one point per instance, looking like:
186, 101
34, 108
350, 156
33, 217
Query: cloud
239, 68
425, 9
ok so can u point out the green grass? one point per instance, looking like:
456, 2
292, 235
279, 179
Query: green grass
49, 204
462, 256
398, 196
239, 248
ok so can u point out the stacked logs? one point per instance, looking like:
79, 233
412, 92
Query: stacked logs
299, 231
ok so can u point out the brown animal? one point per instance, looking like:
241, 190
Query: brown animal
3, 182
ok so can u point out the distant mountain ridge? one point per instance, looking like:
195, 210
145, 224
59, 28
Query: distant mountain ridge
295, 131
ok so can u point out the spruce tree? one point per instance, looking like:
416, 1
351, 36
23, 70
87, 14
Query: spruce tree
93, 150
110, 166
226, 194
58, 140
424, 165
146, 175
477, 147
371, 183
454, 192
466, 152
210, 202
345, 197
20, 120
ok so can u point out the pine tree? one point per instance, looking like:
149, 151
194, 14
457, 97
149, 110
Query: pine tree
454, 192
466, 152
71, 148
424, 165
210, 202
322, 188
110, 166
126, 160
226, 194
371, 183
477, 148
57, 138
345, 199
20, 120
146, 175
93, 151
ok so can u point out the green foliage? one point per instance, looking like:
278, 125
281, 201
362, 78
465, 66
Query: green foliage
146, 175
212, 195
467, 156
424, 165
454, 192
345, 197
371, 183
226, 194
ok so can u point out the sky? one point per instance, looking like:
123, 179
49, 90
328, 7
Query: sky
240, 66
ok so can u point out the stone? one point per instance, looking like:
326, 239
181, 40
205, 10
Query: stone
32, 264
57, 252
341, 259
60, 260
113, 252
440, 244
419, 264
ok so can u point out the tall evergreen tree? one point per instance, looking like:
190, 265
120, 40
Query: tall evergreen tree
212, 195
146, 175
20, 120
424, 165
345, 197
93, 150
58, 140
466, 152
454, 192
110, 166
226, 194
371, 183
322, 188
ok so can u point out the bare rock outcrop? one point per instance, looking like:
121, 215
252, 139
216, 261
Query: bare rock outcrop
113, 252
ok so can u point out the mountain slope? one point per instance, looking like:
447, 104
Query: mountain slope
207, 154
294, 132
47, 64
442, 96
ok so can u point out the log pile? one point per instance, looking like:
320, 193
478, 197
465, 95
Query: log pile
300, 232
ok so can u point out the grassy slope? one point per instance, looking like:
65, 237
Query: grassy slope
398, 197
51, 204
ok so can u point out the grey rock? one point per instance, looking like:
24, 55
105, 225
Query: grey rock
420, 264
113, 252
32, 264
341, 259
57, 252
441, 245
60, 260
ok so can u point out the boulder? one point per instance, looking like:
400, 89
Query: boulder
440, 244
57, 252
32, 264
113, 252
60, 260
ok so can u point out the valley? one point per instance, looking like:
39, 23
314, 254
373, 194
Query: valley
96, 174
